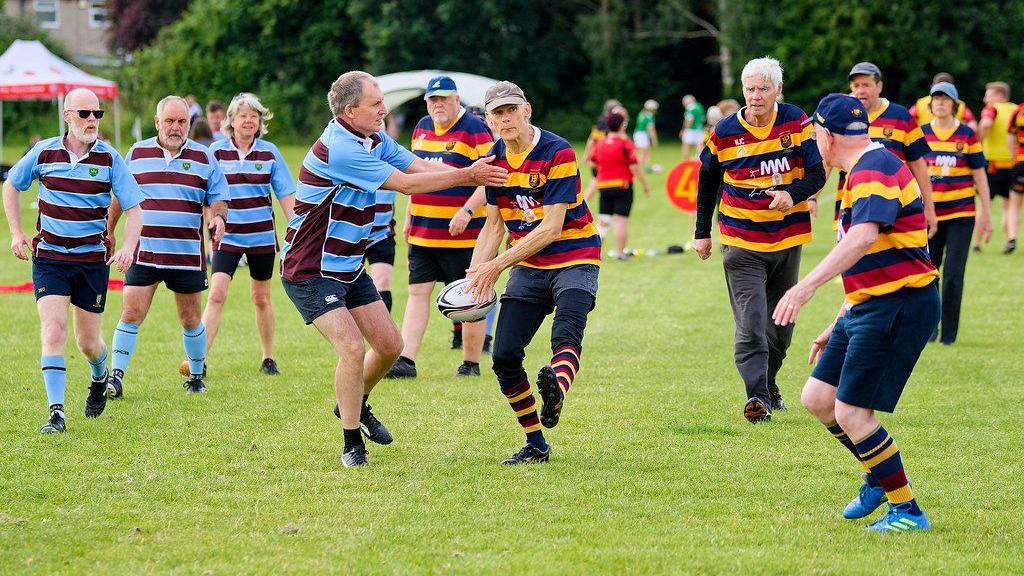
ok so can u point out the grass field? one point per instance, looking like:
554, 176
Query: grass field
654, 470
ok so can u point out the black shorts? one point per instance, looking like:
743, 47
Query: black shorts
381, 251
1018, 178
438, 264
317, 296
1000, 181
617, 201
177, 281
84, 282
261, 265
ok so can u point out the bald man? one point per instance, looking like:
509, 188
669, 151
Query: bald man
73, 248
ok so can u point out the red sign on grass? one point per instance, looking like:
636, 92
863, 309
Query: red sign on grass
682, 185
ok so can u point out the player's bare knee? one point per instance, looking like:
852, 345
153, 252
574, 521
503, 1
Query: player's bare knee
217, 297
90, 345
814, 401
853, 419
54, 333
261, 299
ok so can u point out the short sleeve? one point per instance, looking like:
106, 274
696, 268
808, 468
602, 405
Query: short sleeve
216, 184
348, 162
394, 153
975, 156
915, 146
563, 178
25, 170
123, 184
281, 177
631, 152
873, 201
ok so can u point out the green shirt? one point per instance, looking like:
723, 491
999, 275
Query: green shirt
643, 120
696, 112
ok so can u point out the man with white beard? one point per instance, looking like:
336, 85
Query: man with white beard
73, 250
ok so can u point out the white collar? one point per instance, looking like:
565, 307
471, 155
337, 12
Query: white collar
168, 157
71, 155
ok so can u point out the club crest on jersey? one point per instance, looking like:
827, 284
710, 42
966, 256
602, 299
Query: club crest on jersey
93, 172
448, 147
186, 165
960, 146
887, 131
786, 140
534, 179
259, 166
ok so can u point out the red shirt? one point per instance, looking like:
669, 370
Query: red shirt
613, 157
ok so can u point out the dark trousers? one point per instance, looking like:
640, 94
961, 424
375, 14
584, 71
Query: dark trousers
757, 281
951, 245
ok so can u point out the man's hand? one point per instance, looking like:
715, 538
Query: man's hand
17, 242
818, 345
122, 260
459, 222
812, 207
647, 189
112, 240
781, 200
217, 224
790, 304
984, 226
702, 246
482, 279
483, 173
932, 221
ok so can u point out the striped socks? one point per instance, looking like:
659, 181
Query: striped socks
839, 434
520, 398
879, 453
565, 363
55, 378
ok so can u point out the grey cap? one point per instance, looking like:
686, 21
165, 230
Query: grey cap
503, 93
864, 68
945, 88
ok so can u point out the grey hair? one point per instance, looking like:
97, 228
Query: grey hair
766, 67
163, 103
347, 90
249, 100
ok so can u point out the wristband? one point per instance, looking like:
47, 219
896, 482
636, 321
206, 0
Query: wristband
812, 199
468, 210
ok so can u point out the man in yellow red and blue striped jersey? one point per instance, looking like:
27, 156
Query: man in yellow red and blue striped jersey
957, 168
890, 125
1015, 142
554, 257
891, 307
441, 227
178, 178
79, 178
993, 129
767, 167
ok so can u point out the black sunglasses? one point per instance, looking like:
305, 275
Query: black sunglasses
83, 114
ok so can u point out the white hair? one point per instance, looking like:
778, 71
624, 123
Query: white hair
347, 90
651, 105
163, 102
251, 101
766, 67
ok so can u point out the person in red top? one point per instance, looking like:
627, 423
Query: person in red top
614, 158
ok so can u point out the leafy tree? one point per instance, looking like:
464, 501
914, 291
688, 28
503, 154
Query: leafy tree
135, 23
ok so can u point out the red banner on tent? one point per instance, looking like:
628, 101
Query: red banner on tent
682, 185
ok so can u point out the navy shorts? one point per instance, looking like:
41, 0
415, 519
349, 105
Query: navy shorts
84, 282
381, 251
438, 264
874, 347
544, 286
177, 281
318, 296
261, 264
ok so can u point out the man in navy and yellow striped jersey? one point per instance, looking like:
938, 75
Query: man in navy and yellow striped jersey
767, 166
892, 305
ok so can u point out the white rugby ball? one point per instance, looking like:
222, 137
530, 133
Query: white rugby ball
458, 305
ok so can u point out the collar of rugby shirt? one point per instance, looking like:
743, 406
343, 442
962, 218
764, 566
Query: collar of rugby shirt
369, 142
76, 159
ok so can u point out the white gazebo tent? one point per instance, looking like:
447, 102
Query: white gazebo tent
400, 87
28, 71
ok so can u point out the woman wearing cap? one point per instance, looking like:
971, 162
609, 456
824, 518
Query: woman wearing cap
615, 159
646, 134
956, 166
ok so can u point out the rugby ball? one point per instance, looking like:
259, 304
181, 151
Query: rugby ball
458, 305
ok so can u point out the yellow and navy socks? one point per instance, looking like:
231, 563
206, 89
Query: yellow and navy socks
839, 434
565, 363
520, 398
54, 378
879, 453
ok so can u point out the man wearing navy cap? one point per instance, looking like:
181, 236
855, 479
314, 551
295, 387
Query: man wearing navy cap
442, 227
892, 306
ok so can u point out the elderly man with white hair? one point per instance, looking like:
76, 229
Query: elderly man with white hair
256, 173
78, 177
765, 162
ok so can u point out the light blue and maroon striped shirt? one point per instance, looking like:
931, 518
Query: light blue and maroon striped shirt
74, 195
175, 189
250, 226
335, 202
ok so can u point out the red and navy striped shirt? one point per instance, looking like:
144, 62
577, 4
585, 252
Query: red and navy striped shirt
951, 157
545, 174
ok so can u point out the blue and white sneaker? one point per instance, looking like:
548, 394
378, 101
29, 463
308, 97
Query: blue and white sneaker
866, 501
900, 519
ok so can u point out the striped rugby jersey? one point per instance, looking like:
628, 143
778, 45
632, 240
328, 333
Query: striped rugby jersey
892, 127
175, 189
951, 156
759, 158
335, 200
74, 195
383, 217
1017, 129
881, 189
250, 226
545, 174
458, 145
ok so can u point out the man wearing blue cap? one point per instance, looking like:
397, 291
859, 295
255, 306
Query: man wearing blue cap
442, 227
892, 305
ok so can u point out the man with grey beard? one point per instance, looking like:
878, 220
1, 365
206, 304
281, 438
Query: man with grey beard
73, 249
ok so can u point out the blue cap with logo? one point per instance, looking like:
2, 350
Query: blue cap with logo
842, 114
946, 88
440, 86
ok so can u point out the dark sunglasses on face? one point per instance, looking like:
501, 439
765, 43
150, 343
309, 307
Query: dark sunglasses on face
83, 114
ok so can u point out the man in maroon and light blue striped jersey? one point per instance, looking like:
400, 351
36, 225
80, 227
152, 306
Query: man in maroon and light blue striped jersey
78, 175
178, 178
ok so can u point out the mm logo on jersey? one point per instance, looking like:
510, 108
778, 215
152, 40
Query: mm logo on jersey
945, 162
775, 168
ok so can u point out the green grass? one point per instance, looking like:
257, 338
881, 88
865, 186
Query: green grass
654, 469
